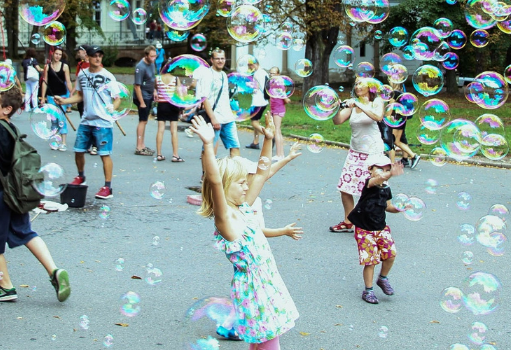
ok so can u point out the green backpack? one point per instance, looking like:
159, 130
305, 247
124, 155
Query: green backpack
19, 183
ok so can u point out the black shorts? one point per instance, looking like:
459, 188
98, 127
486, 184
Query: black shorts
143, 113
259, 114
167, 112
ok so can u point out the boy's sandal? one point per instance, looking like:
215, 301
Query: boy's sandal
143, 152
177, 159
159, 158
342, 227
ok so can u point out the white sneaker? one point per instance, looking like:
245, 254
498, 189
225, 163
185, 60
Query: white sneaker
63, 148
188, 132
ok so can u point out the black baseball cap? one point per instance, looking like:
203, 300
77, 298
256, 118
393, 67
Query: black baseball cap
92, 50
82, 47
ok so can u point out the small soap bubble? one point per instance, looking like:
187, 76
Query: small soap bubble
156, 240
317, 143
198, 42
153, 276
481, 293
108, 341
451, 299
467, 257
130, 304
119, 264
463, 202
438, 156
264, 163
378, 35
36, 38
458, 346
34, 288
383, 332
477, 333
95, 165
267, 204
414, 209
55, 141
157, 189
431, 186
465, 233
84, 322
351, 327
400, 201
104, 212
53, 337
341, 88
500, 211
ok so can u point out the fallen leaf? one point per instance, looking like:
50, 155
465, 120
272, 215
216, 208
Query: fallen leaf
434, 321
304, 333
24, 285
338, 306
134, 277
338, 324
122, 324
19, 318
56, 317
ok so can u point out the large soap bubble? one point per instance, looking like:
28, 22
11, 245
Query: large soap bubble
343, 56
481, 293
359, 10
54, 33
7, 76
494, 146
428, 80
54, 182
495, 90
435, 112
35, 14
460, 139
303, 67
242, 88
398, 36
183, 14
183, 67
280, 86
115, 89
489, 124
45, 120
321, 102
381, 12
388, 60
444, 26
457, 39
430, 37
119, 10
476, 15
245, 24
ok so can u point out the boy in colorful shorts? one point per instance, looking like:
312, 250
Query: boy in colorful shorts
372, 234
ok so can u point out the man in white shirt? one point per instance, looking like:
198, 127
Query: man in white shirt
258, 100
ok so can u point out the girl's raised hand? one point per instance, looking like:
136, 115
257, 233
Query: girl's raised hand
294, 151
205, 131
269, 129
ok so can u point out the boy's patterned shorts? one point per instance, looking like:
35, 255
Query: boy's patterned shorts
374, 246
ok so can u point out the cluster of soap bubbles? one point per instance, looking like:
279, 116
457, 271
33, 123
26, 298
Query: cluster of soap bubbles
204, 315
412, 207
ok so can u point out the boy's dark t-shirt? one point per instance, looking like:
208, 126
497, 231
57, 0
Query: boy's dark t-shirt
6, 150
369, 213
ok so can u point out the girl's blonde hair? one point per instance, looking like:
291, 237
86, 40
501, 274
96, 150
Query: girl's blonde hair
231, 170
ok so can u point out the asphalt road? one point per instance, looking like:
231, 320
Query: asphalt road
321, 271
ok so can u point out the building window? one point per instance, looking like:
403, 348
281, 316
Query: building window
362, 49
96, 15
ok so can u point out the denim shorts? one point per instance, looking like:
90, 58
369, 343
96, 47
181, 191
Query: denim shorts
15, 229
228, 133
102, 138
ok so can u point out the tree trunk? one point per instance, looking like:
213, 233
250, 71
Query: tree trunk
68, 20
319, 47
12, 28
450, 82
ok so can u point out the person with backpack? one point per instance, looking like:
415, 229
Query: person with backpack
15, 228
258, 100
31, 65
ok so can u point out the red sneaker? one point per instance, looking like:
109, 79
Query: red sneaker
104, 193
78, 181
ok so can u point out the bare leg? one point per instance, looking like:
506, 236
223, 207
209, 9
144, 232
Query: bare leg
386, 266
140, 135
257, 130
5, 281
279, 142
173, 133
80, 161
108, 167
400, 144
234, 152
273, 344
37, 246
392, 156
159, 136
64, 138
253, 346
348, 203
368, 275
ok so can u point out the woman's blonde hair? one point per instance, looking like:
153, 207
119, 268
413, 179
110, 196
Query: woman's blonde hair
231, 170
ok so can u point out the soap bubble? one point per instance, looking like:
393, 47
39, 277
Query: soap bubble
359, 10
505, 26
481, 293
264, 163
431, 186
177, 35
84, 322
54, 181
381, 11
451, 299
35, 38
108, 341
157, 189
398, 36
477, 333
55, 141
246, 64
243, 87
386, 92
479, 38
491, 234
393, 116
186, 68
183, 14
284, 40
104, 212
364, 70
298, 44
451, 61
33, 13
463, 201
495, 90
343, 56
428, 133
321, 102
280, 86
457, 39
268, 204
317, 143
54, 33
414, 209
383, 332
198, 42
119, 264
303, 67
119, 10
500, 211
474, 92
131, 304
457, 346
378, 35
105, 97
431, 38
156, 240
476, 15
153, 276
245, 23
139, 16
224, 7
400, 201
410, 103
398, 74
428, 80
460, 139
444, 26
388, 60
465, 233
438, 156
467, 257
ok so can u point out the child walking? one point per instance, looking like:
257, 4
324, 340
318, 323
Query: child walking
278, 111
263, 305
372, 234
